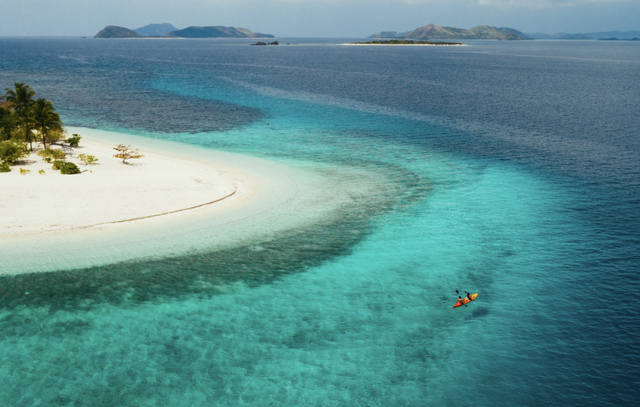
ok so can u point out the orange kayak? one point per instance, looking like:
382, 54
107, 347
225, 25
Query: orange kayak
466, 300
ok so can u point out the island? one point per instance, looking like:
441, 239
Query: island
619, 35
435, 32
162, 31
91, 181
406, 42
217, 32
112, 31
155, 30
618, 39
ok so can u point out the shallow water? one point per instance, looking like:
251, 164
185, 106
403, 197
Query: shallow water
507, 169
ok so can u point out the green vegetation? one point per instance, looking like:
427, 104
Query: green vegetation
49, 154
407, 42
20, 100
87, 159
25, 119
74, 141
11, 151
126, 153
65, 168
46, 121
8, 124
69, 168
21, 115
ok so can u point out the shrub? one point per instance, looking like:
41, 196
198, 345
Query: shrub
41, 172
87, 159
58, 154
10, 151
57, 164
45, 153
69, 168
5, 167
74, 141
126, 153
24, 172
49, 154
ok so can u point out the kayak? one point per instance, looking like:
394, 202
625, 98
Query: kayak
465, 300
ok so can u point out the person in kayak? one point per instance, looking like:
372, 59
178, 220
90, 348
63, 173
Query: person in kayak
460, 301
469, 297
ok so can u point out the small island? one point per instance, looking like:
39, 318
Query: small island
88, 182
167, 30
435, 32
406, 42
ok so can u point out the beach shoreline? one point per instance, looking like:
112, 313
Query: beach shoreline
274, 198
110, 192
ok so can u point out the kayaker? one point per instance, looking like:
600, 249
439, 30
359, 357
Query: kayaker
460, 300
469, 297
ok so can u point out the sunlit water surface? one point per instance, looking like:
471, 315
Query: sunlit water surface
504, 168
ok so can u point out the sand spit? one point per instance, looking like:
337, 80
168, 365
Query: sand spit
78, 222
108, 191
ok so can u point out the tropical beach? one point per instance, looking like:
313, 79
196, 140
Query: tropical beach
109, 191
175, 200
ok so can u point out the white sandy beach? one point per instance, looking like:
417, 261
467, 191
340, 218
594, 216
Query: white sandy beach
165, 204
110, 192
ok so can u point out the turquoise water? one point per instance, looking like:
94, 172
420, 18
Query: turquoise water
355, 309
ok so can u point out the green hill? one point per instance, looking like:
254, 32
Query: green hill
217, 32
113, 31
155, 30
435, 32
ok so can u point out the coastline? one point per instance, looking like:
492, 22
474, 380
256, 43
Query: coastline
109, 191
274, 199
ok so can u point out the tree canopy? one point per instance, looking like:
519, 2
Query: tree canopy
45, 119
20, 98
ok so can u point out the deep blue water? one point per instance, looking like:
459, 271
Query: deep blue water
518, 164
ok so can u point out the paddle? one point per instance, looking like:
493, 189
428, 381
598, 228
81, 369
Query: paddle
459, 294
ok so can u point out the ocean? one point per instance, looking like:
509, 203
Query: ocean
506, 168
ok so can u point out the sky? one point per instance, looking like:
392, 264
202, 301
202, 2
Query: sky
316, 18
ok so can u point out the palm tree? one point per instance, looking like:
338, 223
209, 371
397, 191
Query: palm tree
20, 100
44, 119
26, 132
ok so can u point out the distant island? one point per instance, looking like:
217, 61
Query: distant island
112, 31
620, 35
167, 30
435, 32
155, 30
217, 32
618, 39
406, 42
